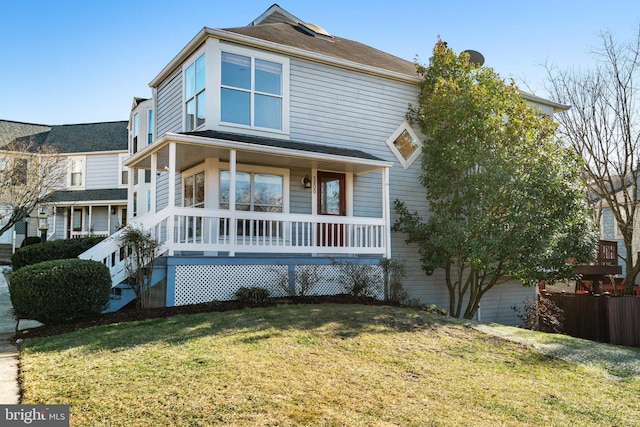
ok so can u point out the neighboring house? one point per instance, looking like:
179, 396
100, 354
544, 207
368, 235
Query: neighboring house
278, 147
92, 200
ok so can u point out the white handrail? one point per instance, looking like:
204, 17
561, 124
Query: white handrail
209, 230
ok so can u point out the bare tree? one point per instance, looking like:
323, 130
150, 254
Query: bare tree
28, 174
603, 126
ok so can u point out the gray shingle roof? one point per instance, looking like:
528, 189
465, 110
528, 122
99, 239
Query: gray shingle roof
11, 131
75, 138
88, 195
287, 144
292, 35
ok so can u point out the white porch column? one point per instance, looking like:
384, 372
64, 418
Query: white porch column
71, 223
55, 218
233, 226
172, 196
90, 225
109, 219
154, 176
130, 173
386, 212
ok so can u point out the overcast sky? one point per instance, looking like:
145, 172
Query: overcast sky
83, 61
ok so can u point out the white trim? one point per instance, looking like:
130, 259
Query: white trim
83, 172
405, 162
183, 101
122, 157
283, 172
285, 96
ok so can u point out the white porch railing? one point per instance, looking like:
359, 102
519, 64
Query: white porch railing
236, 232
80, 234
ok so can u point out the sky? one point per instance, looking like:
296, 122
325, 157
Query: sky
83, 61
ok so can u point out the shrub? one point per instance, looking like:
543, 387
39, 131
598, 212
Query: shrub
395, 271
543, 316
60, 291
31, 240
52, 249
359, 280
254, 295
143, 251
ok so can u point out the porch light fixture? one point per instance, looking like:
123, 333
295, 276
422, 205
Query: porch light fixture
306, 182
113, 211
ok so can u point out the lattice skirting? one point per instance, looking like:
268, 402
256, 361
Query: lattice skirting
196, 284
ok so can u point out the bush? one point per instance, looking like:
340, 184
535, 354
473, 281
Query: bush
52, 249
60, 291
360, 280
543, 316
395, 271
254, 295
31, 240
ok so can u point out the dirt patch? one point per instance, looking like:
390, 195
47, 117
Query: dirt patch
131, 314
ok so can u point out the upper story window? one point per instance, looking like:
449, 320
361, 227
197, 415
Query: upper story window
76, 172
194, 94
135, 132
123, 174
19, 171
150, 127
252, 91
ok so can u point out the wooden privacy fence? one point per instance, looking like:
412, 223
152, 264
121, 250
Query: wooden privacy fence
613, 320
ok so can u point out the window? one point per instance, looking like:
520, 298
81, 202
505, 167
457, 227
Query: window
252, 91
194, 94
150, 127
194, 190
148, 199
135, 133
123, 170
19, 172
405, 145
77, 172
147, 176
259, 192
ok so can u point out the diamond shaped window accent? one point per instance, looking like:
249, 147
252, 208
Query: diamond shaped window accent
405, 145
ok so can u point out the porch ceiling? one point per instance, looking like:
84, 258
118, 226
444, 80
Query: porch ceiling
193, 148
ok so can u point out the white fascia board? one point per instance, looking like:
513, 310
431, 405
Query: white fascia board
277, 48
89, 153
243, 146
557, 107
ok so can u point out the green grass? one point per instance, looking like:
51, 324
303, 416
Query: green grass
315, 365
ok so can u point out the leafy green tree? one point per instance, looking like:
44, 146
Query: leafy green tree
506, 198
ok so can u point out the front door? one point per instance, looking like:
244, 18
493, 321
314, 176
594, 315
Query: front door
331, 201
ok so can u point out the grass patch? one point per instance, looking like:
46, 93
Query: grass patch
314, 365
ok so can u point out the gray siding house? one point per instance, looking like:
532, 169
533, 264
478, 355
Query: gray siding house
276, 147
92, 199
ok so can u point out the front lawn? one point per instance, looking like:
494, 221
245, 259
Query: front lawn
325, 364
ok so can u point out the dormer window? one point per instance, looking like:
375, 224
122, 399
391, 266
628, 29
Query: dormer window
253, 90
194, 94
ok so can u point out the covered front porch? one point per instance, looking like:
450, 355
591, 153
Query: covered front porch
290, 197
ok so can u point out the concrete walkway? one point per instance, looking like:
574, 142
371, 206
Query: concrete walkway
9, 390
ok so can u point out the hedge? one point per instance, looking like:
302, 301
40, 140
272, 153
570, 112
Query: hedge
60, 291
52, 249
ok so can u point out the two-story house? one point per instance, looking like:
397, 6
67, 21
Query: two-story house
277, 146
91, 199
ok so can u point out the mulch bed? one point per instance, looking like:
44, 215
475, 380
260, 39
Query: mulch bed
130, 314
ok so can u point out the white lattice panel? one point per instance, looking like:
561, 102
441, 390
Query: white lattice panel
331, 280
203, 283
